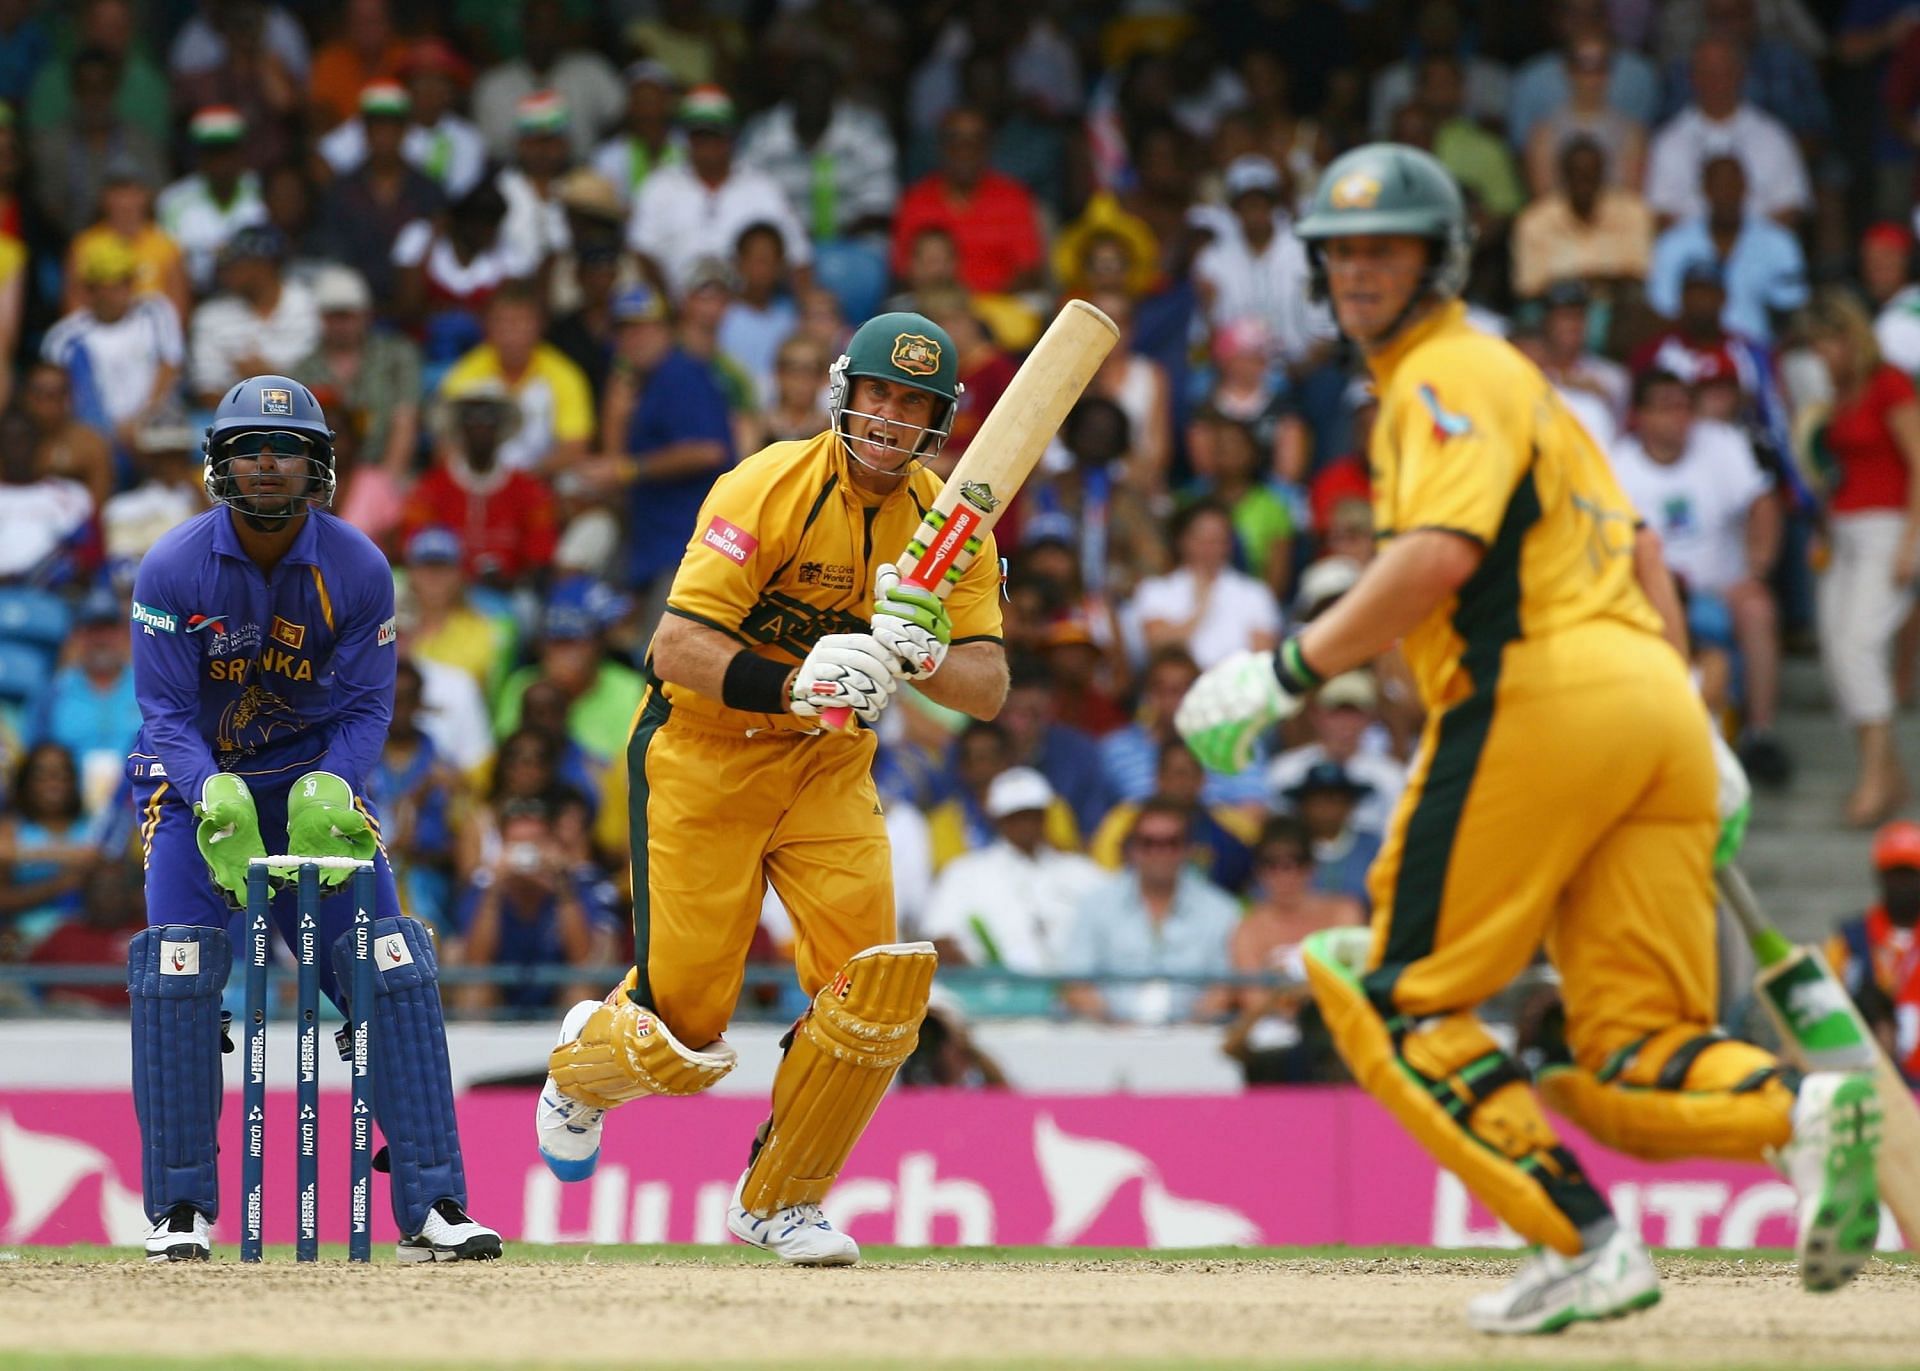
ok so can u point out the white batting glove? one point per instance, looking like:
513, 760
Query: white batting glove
1229, 707
845, 671
913, 623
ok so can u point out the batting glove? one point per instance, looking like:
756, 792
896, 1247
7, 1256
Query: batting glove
845, 671
228, 833
1230, 706
912, 623
1735, 799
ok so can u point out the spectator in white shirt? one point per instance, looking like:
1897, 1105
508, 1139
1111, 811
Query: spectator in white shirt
440, 144
262, 323
535, 228
202, 211
834, 159
1344, 717
42, 518
647, 140
1204, 604
1696, 483
1720, 123
122, 352
585, 80
686, 212
1255, 267
1011, 904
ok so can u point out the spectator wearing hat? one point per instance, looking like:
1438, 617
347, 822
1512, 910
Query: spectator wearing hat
595, 222
142, 95
375, 372
1344, 728
260, 322
1222, 835
73, 158
688, 210
556, 420
1327, 799
364, 210
202, 210
602, 694
122, 351
1159, 916
1256, 269
1718, 122
1886, 272
992, 217
504, 516
1597, 390
66, 447
536, 224
126, 214
449, 272
253, 78
89, 707
1587, 227
587, 83
1010, 904
167, 454
665, 437
441, 624
440, 143
364, 51
959, 823
1877, 954
834, 159
1082, 673
1698, 486
1760, 262
646, 139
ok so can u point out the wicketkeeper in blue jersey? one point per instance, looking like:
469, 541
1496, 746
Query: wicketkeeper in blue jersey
263, 657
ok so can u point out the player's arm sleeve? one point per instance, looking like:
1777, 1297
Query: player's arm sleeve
974, 605
743, 535
363, 670
166, 679
1459, 456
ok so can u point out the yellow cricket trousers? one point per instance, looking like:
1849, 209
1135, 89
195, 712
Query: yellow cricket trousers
1569, 802
715, 817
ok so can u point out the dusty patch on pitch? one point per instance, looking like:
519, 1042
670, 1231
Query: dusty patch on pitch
1395, 1311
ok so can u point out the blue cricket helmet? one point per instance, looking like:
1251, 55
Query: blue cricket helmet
268, 404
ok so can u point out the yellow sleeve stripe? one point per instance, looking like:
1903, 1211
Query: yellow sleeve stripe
151, 822
326, 600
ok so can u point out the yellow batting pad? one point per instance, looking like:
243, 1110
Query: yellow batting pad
625, 1052
845, 1051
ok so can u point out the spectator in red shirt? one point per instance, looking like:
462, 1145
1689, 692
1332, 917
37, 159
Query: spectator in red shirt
1869, 451
112, 909
1346, 477
505, 517
991, 216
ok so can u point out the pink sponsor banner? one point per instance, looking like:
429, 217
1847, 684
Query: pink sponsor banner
1266, 1167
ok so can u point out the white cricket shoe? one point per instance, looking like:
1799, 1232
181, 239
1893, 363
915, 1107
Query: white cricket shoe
799, 1234
449, 1236
182, 1235
569, 1131
1830, 1161
1551, 1291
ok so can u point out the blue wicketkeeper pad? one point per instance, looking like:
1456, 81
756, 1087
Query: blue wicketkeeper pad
175, 973
412, 1081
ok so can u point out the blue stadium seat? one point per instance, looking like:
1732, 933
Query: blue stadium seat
856, 273
30, 615
23, 673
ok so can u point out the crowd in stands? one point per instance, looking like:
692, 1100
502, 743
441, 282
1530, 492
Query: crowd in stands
552, 266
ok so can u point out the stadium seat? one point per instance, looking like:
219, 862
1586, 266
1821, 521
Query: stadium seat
855, 273
23, 673
32, 616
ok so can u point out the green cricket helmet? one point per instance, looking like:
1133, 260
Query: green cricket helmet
1390, 189
906, 348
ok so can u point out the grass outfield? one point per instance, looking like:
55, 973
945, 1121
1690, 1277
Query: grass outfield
734, 1254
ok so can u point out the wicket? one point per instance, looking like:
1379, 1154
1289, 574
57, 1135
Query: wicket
307, 1009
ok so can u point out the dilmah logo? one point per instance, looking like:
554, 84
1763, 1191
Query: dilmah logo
179, 959
392, 951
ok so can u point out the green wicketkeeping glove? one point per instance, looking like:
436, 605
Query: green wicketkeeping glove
228, 833
323, 822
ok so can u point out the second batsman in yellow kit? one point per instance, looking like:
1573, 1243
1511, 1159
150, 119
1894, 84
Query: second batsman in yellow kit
1566, 793
783, 608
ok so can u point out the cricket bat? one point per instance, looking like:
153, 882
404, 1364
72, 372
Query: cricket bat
1003, 453
1820, 1030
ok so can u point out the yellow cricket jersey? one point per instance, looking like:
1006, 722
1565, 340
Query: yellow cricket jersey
1472, 438
783, 554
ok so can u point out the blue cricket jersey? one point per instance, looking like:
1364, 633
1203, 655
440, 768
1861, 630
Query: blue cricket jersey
238, 670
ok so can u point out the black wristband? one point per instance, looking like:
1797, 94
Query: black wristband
755, 684
1290, 666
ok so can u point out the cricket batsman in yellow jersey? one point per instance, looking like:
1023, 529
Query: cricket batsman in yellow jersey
780, 611
1565, 792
